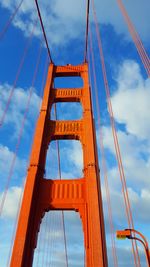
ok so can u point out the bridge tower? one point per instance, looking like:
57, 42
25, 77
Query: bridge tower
81, 195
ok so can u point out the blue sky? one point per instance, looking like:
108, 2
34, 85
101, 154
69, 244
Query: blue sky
130, 90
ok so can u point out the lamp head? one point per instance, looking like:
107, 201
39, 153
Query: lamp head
123, 234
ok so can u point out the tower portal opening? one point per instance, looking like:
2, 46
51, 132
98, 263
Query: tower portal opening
60, 237
71, 160
67, 111
68, 82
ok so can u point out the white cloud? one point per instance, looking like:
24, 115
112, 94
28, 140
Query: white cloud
130, 105
76, 155
71, 160
74, 238
135, 156
140, 202
17, 107
65, 20
6, 158
68, 111
60, 22
131, 100
138, 12
12, 201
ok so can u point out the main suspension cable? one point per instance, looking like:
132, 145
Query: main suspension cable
8, 23
136, 38
87, 30
43, 30
115, 137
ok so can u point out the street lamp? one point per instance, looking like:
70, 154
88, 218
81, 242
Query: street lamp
131, 234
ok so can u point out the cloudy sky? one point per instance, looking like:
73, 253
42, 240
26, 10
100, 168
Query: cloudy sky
21, 49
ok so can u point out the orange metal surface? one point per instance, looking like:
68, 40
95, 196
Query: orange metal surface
82, 195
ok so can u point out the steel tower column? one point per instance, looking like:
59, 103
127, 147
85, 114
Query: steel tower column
82, 195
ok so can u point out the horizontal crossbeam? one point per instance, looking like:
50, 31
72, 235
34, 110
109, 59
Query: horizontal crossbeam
62, 194
65, 129
66, 95
69, 70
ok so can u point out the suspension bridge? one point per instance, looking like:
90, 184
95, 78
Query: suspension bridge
61, 214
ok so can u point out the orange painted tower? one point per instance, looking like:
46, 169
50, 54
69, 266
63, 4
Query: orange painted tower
81, 195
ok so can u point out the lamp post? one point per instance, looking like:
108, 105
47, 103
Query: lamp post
131, 234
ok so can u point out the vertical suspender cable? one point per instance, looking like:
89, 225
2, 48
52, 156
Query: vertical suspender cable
39, 248
53, 217
104, 166
116, 143
44, 239
136, 38
20, 135
59, 171
8, 23
48, 240
87, 29
41, 241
